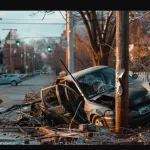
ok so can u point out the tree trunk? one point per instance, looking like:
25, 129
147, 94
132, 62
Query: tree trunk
106, 51
101, 59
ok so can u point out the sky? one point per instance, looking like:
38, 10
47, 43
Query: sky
29, 25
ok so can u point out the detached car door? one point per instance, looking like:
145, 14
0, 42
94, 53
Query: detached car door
55, 111
77, 101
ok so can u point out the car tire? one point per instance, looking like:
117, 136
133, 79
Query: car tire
14, 83
97, 120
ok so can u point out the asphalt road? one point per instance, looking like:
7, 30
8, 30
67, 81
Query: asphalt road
15, 94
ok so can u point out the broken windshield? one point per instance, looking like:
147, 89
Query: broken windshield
97, 82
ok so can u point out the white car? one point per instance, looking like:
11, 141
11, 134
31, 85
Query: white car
90, 94
12, 79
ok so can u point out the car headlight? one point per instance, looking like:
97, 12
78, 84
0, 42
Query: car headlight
109, 113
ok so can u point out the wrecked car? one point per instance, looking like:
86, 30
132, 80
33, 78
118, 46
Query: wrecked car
88, 96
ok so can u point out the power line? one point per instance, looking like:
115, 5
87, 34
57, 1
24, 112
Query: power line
38, 37
31, 19
33, 23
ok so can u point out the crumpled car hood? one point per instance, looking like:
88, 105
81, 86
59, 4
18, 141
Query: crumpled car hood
137, 94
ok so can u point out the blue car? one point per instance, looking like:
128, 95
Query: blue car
12, 79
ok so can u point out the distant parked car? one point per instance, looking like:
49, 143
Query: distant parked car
37, 72
31, 74
12, 79
45, 72
24, 76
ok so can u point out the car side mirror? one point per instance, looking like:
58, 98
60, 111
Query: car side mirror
134, 76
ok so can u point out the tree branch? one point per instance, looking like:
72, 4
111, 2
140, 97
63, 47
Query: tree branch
106, 25
44, 15
100, 40
88, 31
112, 35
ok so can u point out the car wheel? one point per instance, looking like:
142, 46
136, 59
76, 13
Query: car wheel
97, 121
14, 83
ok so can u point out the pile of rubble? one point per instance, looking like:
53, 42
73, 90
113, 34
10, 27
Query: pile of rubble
26, 124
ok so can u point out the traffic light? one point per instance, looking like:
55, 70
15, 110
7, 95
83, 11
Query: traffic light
17, 43
49, 49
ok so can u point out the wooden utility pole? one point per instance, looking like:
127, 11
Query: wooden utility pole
11, 55
122, 70
25, 59
70, 40
67, 28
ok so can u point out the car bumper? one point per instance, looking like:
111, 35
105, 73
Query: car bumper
136, 120
19, 81
110, 121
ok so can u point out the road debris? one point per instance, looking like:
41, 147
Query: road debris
1, 101
28, 125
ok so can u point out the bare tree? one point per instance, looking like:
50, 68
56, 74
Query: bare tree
101, 36
101, 28
83, 58
139, 38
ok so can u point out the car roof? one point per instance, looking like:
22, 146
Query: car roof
9, 74
81, 73
38, 70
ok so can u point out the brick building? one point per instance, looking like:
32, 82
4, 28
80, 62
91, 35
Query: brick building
17, 61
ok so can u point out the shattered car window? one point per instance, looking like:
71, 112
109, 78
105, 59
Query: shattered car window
97, 82
73, 86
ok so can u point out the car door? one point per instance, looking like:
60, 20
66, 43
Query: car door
77, 101
2, 79
9, 78
53, 108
